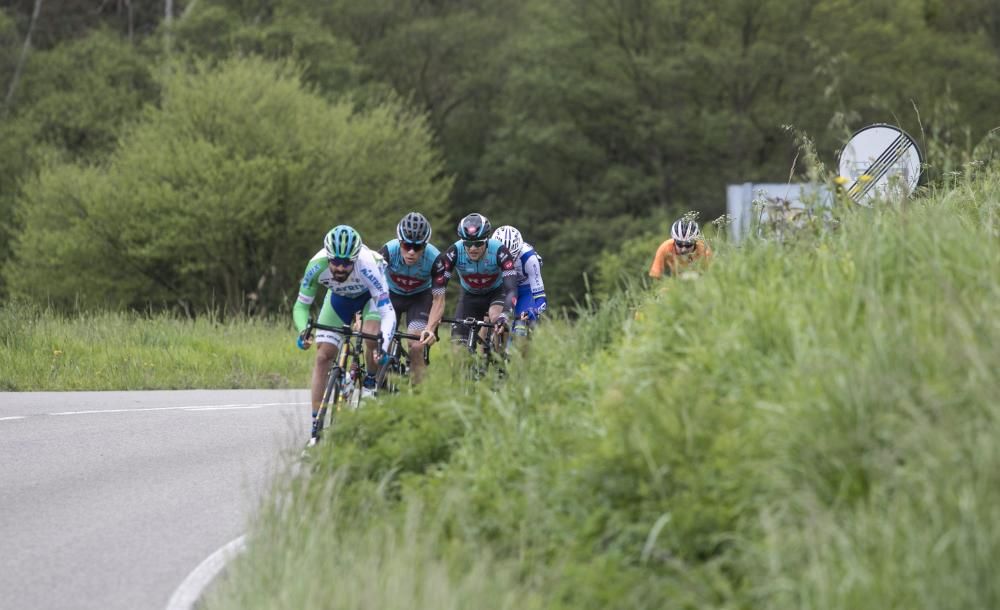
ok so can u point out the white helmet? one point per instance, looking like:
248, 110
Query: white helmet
685, 231
510, 237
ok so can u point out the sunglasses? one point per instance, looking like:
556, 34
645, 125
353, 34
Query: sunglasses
475, 243
684, 245
411, 247
340, 262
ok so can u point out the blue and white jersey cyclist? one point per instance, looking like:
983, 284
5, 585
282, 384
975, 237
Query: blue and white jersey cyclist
531, 301
355, 281
411, 273
485, 269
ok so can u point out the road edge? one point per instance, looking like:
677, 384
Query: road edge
191, 589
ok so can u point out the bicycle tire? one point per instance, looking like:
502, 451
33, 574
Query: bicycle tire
329, 402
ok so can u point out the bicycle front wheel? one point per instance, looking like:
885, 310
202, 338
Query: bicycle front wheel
331, 396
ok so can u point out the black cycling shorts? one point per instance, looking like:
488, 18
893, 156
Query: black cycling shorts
474, 306
417, 308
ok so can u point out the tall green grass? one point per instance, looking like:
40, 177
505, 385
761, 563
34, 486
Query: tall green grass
811, 424
44, 350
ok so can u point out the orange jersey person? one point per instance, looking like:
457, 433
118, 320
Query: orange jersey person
684, 248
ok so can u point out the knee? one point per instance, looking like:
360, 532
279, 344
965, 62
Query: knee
325, 356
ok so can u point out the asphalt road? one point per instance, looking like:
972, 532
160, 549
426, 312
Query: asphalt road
110, 499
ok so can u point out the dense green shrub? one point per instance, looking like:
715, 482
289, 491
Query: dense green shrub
219, 196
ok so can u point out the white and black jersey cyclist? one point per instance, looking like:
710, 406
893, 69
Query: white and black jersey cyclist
355, 281
531, 301
486, 271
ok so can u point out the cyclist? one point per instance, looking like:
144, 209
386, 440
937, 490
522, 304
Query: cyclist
531, 301
354, 277
685, 248
486, 271
412, 288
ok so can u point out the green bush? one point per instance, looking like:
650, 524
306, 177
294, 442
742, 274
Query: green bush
219, 196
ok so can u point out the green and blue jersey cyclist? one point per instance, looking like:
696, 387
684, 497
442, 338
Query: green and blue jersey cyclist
355, 280
416, 288
486, 271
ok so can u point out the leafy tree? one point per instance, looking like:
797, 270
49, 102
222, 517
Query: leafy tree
71, 101
218, 29
219, 196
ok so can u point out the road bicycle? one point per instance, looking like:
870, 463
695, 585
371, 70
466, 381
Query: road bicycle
398, 365
344, 385
485, 347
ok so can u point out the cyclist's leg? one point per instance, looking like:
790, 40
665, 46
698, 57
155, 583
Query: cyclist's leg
371, 324
327, 346
525, 301
418, 308
469, 306
342, 311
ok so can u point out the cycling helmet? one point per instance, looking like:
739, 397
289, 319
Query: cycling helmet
474, 226
685, 231
342, 242
511, 238
414, 229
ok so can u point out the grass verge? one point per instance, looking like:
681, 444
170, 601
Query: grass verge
42, 350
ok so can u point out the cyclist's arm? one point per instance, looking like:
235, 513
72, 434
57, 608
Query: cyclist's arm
660, 266
439, 287
533, 271
508, 272
373, 277
307, 292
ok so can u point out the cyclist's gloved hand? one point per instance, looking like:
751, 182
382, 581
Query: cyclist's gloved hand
300, 342
531, 313
427, 337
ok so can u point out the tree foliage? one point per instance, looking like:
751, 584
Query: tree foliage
581, 121
219, 195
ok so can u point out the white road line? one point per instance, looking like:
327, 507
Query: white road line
12, 418
190, 591
183, 408
226, 407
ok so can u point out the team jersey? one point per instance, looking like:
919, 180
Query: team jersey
367, 277
410, 279
668, 261
496, 268
529, 275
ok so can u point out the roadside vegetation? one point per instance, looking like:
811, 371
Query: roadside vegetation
811, 424
42, 349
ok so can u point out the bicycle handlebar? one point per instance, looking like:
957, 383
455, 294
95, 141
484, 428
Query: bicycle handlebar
345, 330
403, 335
471, 322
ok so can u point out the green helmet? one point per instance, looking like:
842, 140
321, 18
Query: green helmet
342, 242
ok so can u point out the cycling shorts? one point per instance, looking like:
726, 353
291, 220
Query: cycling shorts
474, 306
417, 308
339, 310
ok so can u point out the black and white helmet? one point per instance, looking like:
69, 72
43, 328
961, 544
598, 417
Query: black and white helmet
414, 229
511, 238
685, 231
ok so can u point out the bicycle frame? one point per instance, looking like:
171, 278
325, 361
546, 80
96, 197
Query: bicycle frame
473, 340
344, 379
399, 359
